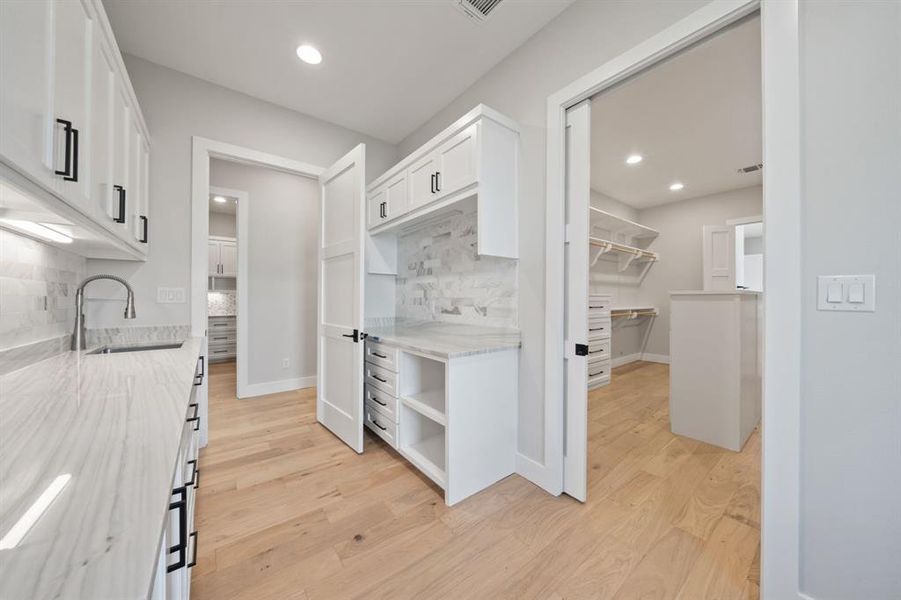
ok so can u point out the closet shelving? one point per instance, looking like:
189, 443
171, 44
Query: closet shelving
621, 239
633, 312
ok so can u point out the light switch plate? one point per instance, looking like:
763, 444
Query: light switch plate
165, 295
858, 293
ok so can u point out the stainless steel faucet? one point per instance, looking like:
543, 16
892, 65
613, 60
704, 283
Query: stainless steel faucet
78, 341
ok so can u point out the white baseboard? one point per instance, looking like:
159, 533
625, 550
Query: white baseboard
645, 356
275, 387
535, 472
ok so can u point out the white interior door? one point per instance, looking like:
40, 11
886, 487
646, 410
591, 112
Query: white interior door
339, 403
578, 190
719, 258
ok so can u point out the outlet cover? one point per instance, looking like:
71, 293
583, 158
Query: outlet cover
166, 295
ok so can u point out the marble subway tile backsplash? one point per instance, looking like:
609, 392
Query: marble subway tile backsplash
441, 277
37, 290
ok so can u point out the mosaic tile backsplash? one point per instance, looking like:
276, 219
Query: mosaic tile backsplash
441, 277
37, 290
222, 304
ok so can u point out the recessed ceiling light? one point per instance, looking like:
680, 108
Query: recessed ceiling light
219, 199
309, 54
634, 159
676, 187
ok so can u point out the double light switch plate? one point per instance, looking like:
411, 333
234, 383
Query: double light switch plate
851, 293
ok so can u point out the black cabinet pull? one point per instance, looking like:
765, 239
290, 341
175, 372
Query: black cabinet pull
182, 546
433, 183
437, 181
377, 401
379, 378
143, 239
376, 423
383, 212
596, 374
198, 378
195, 474
121, 216
195, 418
70, 173
379, 355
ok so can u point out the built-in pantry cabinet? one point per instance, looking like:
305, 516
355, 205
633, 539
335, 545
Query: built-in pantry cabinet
474, 160
72, 130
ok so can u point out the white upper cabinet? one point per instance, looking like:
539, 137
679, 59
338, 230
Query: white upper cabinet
72, 132
25, 111
474, 160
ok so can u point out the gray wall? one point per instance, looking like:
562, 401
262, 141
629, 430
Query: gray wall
851, 380
281, 270
223, 224
176, 107
681, 265
582, 38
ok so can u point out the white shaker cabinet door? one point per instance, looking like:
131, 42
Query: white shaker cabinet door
100, 137
457, 162
26, 118
421, 181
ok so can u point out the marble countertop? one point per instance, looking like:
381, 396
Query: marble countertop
109, 426
446, 340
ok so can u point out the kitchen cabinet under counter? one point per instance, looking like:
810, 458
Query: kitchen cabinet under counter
98, 471
445, 397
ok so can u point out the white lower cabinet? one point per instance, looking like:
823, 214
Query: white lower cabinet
178, 549
599, 340
453, 418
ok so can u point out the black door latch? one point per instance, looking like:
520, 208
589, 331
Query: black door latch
581, 349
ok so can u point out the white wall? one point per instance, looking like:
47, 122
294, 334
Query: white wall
281, 271
851, 381
613, 206
223, 224
579, 40
177, 107
679, 245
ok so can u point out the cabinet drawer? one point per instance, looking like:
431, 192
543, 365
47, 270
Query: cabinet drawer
217, 325
599, 328
382, 355
598, 369
222, 338
384, 427
382, 402
598, 349
381, 378
599, 303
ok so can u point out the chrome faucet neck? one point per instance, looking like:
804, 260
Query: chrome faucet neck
78, 333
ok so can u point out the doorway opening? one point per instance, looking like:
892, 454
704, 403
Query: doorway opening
663, 272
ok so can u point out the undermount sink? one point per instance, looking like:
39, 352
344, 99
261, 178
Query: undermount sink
134, 348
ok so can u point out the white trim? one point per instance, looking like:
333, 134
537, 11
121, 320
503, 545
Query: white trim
782, 208
202, 149
242, 218
276, 387
745, 220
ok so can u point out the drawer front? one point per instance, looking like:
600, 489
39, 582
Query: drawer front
598, 349
220, 338
598, 380
384, 427
381, 378
382, 402
599, 303
597, 369
599, 329
218, 325
382, 355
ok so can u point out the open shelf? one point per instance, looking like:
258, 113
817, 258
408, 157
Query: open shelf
618, 229
429, 403
422, 442
633, 312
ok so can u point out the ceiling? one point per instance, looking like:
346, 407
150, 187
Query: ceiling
387, 67
696, 119
229, 207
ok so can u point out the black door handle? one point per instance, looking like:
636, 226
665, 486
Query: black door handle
355, 335
143, 239
70, 173
120, 218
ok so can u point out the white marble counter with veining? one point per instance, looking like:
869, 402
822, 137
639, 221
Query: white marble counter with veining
113, 423
446, 340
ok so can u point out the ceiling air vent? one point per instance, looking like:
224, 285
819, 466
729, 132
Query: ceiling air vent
477, 9
751, 168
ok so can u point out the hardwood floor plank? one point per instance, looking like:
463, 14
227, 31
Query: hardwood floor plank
286, 511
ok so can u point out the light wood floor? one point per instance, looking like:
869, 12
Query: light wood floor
286, 511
